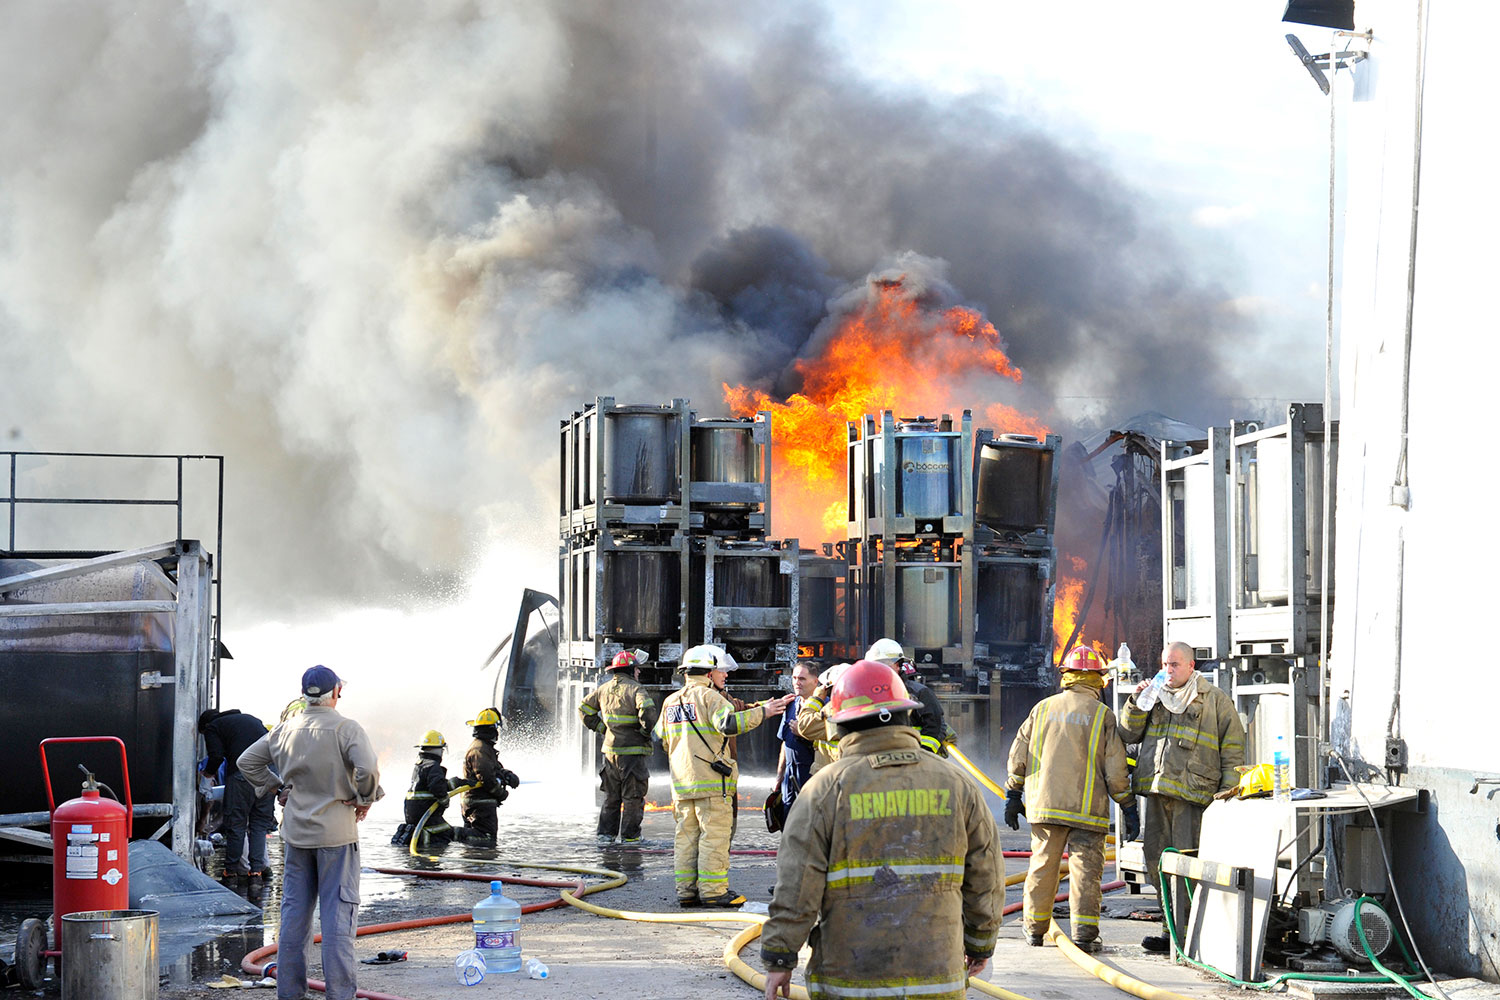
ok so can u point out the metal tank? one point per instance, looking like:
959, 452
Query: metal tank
1014, 492
1009, 600
641, 594
1274, 495
87, 675
926, 475
110, 955
725, 454
748, 582
927, 606
641, 451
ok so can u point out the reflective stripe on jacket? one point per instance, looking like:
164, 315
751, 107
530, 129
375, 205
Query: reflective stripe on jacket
699, 705
812, 724
1070, 760
890, 866
1188, 756
624, 711
429, 784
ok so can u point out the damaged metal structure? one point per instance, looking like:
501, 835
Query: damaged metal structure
97, 641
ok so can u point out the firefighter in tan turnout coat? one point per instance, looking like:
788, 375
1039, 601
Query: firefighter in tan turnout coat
1192, 744
623, 712
1070, 762
695, 725
890, 864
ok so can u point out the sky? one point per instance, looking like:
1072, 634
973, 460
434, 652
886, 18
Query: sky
370, 253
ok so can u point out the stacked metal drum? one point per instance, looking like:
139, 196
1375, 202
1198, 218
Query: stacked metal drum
663, 522
950, 552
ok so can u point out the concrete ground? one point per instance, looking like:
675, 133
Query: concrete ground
596, 957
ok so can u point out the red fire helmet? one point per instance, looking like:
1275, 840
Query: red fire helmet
1084, 658
868, 688
624, 658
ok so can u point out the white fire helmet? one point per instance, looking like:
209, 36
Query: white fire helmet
701, 658
886, 651
831, 675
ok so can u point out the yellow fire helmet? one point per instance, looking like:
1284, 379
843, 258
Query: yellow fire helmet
489, 717
1257, 780
433, 741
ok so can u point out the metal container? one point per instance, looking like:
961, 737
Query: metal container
1274, 496
1009, 603
1014, 492
109, 955
641, 594
822, 611
1199, 539
748, 582
725, 454
926, 475
927, 606
641, 457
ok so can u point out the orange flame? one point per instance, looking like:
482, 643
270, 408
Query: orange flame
1066, 603
892, 353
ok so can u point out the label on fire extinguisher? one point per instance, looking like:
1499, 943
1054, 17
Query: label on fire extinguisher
112, 876
83, 852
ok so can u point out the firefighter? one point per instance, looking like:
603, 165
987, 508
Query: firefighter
892, 853
1069, 761
482, 767
695, 725
812, 721
429, 784
932, 730
623, 712
1192, 743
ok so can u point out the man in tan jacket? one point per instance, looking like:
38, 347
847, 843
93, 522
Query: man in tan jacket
890, 863
695, 725
1192, 742
327, 769
1070, 762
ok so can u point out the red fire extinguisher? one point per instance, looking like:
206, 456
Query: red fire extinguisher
90, 843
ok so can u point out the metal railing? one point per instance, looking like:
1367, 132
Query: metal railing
14, 500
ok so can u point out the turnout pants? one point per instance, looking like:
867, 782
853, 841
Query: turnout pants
327, 877
702, 845
1085, 870
482, 814
624, 779
1170, 823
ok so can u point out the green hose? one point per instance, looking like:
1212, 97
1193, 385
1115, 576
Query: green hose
1271, 984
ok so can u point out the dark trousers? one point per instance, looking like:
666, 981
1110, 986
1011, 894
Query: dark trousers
243, 813
624, 779
482, 815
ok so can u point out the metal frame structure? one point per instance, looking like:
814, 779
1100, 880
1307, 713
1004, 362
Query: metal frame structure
14, 500
193, 668
1189, 479
1259, 627
719, 619
584, 503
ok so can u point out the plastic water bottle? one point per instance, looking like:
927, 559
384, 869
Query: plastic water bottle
1122, 665
497, 930
469, 967
1148, 694
1281, 783
535, 969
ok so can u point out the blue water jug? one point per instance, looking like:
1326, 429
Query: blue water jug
497, 930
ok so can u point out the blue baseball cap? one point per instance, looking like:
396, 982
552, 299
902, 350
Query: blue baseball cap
318, 681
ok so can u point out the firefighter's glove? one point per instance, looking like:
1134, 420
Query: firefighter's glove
1014, 810
510, 778
1131, 814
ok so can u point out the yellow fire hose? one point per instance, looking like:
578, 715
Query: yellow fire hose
754, 921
